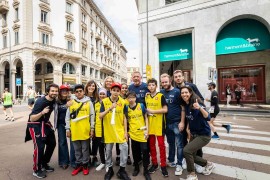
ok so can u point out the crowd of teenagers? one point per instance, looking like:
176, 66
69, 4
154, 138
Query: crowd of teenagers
136, 116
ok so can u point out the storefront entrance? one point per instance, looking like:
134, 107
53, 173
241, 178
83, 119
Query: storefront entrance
249, 79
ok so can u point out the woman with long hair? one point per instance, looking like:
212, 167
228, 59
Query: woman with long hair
59, 123
108, 84
199, 130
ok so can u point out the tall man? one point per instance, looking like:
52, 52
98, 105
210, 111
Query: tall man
41, 132
174, 119
139, 87
7, 104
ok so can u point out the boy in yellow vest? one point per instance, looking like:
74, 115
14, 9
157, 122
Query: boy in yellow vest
78, 118
138, 132
156, 108
115, 130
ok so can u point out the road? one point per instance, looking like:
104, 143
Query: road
242, 154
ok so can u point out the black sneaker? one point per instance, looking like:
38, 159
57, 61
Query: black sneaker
147, 175
136, 171
117, 163
153, 169
39, 174
94, 162
109, 174
47, 168
164, 171
122, 174
129, 161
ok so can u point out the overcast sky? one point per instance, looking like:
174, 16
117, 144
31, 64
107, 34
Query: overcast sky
122, 15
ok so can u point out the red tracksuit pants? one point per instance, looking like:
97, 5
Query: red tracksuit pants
162, 151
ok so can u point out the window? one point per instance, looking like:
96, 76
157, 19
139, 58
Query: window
44, 16
69, 26
38, 69
68, 7
68, 69
91, 71
45, 39
83, 17
96, 74
83, 3
4, 16
83, 51
69, 45
49, 68
171, 1
83, 34
83, 70
4, 41
16, 37
17, 13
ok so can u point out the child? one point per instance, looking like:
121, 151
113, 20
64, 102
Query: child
98, 131
156, 109
78, 118
138, 132
115, 130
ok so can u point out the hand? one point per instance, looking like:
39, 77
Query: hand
113, 105
146, 135
196, 105
92, 133
126, 136
149, 111
68, 134
45, 110
181, 126
69, 103
207, 99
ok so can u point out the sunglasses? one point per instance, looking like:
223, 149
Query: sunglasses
79, 91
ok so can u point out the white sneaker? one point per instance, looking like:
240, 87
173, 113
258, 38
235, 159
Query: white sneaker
192, 177
178, 170
208, 168
199, 169
101, 166
184, 164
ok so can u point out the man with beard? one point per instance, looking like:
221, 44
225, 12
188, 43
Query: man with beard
41, 132
139, 87
179, 80
173, 121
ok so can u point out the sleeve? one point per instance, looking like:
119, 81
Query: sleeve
126, 111
92, 115
102, 108
38, 107
214, 98
163, 101
67, 119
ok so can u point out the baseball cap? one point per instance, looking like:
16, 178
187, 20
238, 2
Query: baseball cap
115, 84
211, 84
63, 86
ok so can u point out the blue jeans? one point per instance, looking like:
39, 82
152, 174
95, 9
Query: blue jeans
174, 136
63, 155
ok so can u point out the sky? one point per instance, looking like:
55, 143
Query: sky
122, 15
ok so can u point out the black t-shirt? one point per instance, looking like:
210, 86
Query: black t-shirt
214, 99
62, 109
40, 104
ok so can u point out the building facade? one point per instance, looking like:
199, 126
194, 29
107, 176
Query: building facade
225, 41
63, 41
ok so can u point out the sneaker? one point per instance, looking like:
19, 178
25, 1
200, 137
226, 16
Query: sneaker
228, 128
178, 170
7, 118
184, 164
122, 174
208, 168
164, 171
109, 174
147, 175
192, 177
85, 169
117, 163
95, 162
136, 171
12, 119
78, 169
215, 137
100, 167
171, 164
129, 161
39, 174
47, 168
199, 169
153, 169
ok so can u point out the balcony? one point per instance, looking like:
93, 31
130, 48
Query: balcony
47, 49
97, 36
105, 68
4, 7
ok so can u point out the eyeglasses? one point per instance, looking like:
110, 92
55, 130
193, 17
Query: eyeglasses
79, 91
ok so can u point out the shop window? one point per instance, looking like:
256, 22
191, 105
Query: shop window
250, 80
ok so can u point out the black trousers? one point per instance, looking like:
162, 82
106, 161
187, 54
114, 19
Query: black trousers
98, 145
138, 149
41, 158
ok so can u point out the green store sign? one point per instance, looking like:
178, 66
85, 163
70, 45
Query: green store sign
175, 48
243, 35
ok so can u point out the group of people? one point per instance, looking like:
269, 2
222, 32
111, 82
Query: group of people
97, 118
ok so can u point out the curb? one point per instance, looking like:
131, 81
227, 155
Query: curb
246, 115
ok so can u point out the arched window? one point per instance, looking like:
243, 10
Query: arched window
68, 69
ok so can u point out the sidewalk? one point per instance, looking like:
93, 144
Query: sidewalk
246, 108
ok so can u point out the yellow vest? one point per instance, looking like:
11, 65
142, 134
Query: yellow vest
80, 130
157, 121
114, 133
136, 121
98, 125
